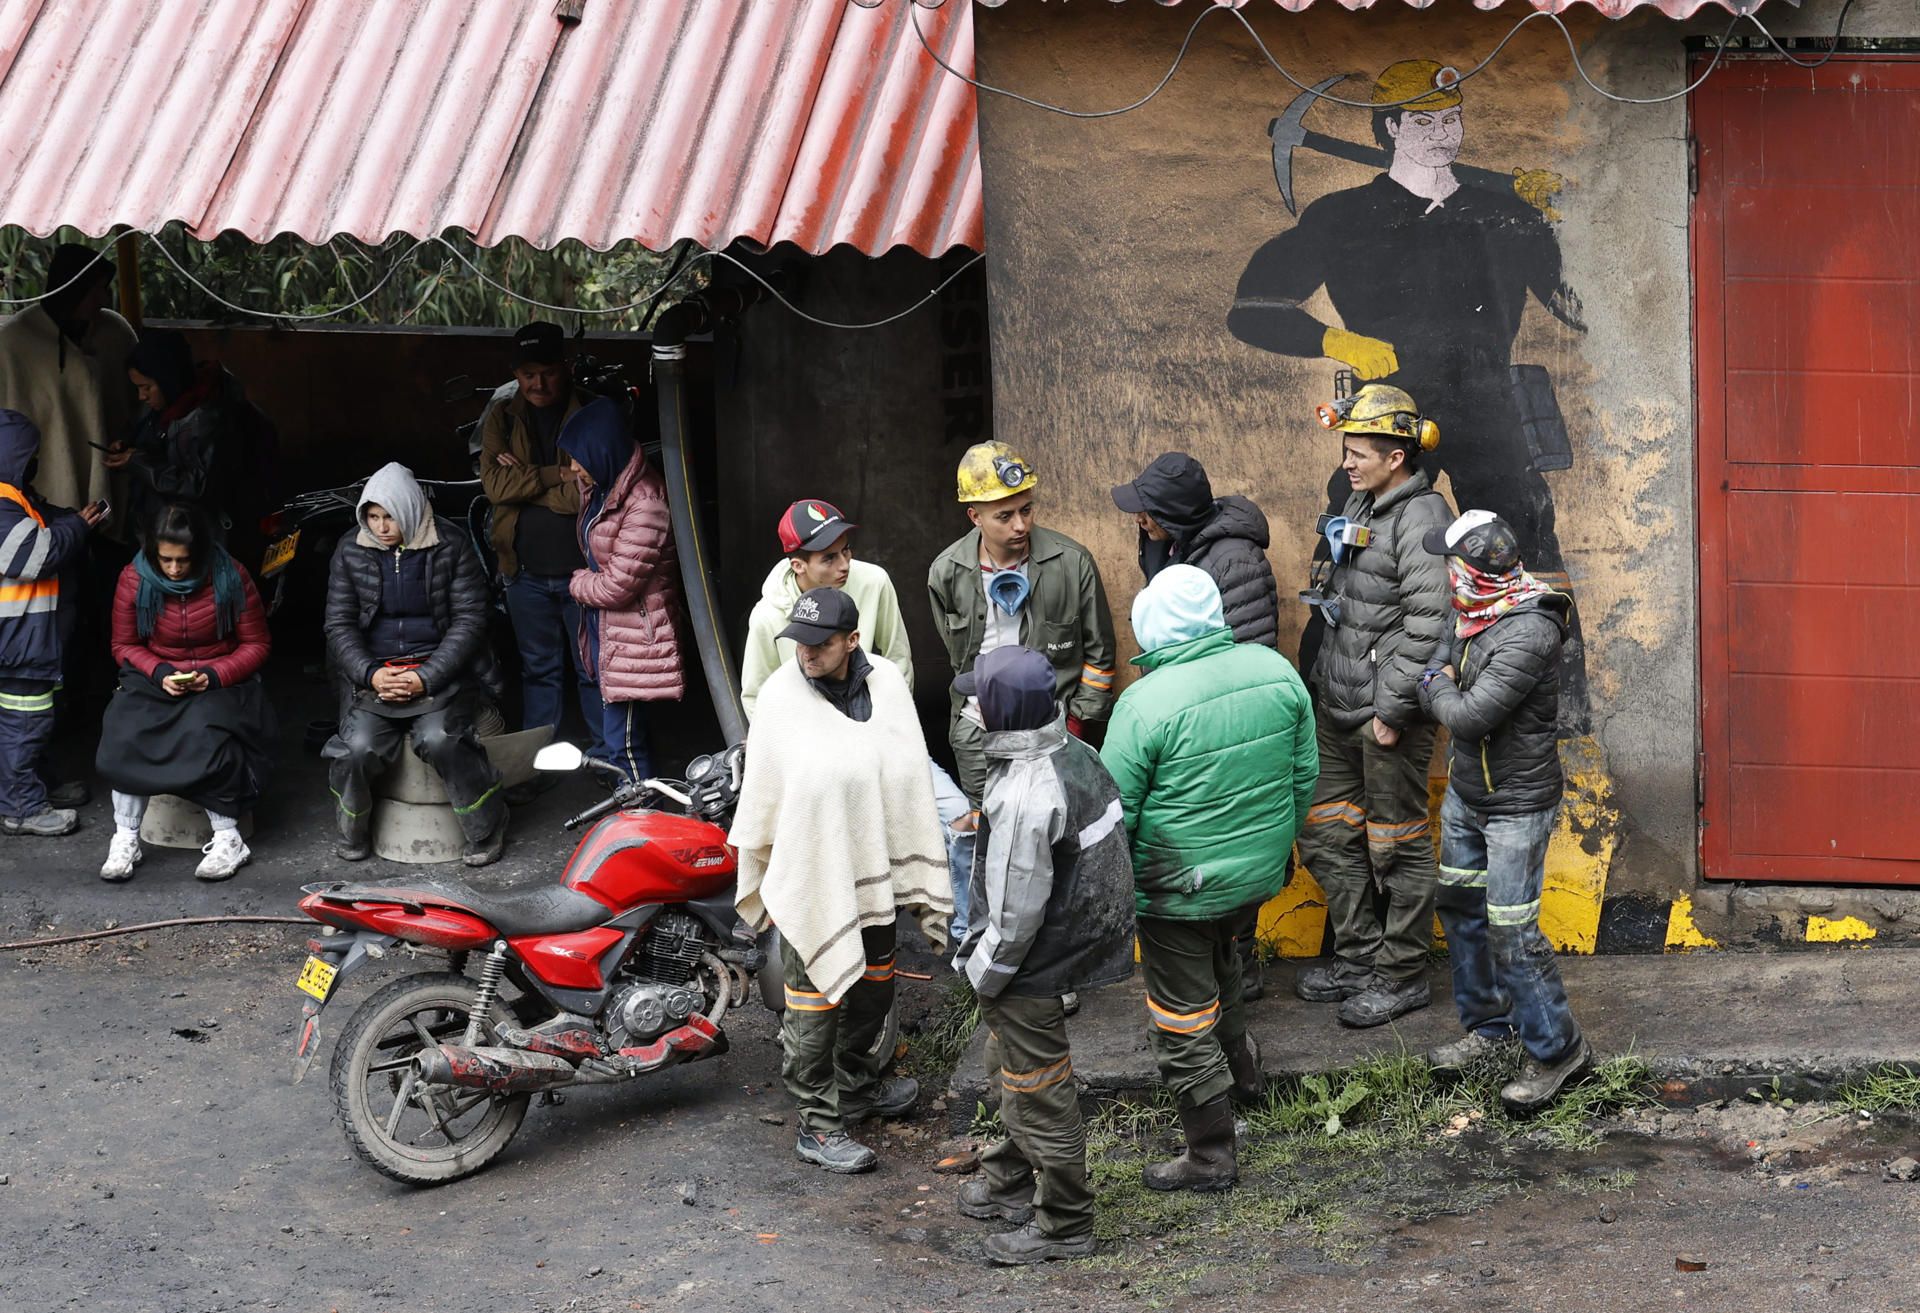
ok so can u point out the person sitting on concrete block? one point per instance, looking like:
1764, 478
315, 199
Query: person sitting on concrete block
1214, 753
407, 634
190, 717
1055, 897
1495, 683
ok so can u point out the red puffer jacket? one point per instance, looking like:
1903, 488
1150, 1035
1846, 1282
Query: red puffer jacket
186, 636
636, 589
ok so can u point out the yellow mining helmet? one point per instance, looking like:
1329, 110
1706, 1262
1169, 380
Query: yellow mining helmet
1386, 412
990, 471
1406, 81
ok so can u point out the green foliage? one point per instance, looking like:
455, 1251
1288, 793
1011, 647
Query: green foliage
400, 284
1883, 1089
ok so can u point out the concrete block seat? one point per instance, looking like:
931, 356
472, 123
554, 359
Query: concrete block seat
412, 820
173, 822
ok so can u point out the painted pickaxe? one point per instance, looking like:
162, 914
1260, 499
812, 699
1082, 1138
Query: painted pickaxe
1289, 131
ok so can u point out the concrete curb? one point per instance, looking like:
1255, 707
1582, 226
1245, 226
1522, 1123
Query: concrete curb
1715, 1023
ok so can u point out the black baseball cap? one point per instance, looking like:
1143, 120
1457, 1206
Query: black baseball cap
1175, 468
819, 615
812, 526
1481, 539
538, 343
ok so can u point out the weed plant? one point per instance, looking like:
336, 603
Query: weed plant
1883, 1089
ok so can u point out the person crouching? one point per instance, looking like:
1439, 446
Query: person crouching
1055, 900
190, 717
836, 829
407, 633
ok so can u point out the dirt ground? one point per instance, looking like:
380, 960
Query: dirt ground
156, 1157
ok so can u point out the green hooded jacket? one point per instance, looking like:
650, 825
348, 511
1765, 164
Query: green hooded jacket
1214, 753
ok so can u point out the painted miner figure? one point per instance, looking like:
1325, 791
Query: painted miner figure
1429, 270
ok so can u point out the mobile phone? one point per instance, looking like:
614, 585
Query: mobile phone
103, 506
182, 677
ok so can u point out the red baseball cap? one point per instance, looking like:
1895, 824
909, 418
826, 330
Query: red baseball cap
812, 526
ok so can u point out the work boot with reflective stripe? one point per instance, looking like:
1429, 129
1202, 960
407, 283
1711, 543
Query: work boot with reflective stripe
893, 1097
1209, 1163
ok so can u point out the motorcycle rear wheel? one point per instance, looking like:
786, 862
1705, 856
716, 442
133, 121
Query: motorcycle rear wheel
421, 1137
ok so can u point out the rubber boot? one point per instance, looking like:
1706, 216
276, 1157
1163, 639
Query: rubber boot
1243, 1061
1209, 1163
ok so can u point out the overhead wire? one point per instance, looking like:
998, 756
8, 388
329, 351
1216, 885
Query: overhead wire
1573, 52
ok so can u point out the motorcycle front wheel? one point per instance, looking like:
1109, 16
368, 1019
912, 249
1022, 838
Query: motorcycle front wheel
422, 1136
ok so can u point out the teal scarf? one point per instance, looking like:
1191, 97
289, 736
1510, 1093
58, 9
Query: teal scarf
229, 597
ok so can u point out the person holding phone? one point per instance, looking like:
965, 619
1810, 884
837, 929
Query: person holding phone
37, 542
190, 717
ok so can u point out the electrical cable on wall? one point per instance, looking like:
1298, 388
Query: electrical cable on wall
1573, 52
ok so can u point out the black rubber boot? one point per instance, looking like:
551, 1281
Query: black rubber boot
1209, 1163
1243, 1060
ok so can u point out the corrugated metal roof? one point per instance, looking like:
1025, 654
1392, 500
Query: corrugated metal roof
1611, 8
810, 121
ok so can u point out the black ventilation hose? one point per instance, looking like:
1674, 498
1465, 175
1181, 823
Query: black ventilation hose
670, 332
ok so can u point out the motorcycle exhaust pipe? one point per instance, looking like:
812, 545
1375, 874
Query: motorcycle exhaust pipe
498, 1071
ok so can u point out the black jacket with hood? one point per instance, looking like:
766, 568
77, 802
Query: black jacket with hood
1227, 537
1504, 709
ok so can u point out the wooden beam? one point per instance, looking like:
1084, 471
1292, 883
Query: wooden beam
126, 254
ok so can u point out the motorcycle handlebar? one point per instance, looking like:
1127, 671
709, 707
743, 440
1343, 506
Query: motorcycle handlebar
625, 794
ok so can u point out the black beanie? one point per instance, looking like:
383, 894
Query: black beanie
164, 356
73, 272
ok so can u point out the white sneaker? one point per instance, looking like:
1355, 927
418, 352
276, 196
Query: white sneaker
123, 854
225, 853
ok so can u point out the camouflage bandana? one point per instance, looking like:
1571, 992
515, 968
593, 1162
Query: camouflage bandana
1481, 598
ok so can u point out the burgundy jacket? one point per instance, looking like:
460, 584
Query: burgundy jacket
636, 589
185, 635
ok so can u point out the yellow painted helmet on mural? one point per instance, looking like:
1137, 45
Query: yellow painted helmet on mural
1383, 411
990, 471
1408, 79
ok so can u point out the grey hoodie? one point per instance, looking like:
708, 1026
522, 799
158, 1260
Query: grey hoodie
394, 489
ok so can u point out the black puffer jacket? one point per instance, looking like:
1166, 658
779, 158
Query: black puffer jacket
458, 585
1395, 607
1227, 537
1504, 710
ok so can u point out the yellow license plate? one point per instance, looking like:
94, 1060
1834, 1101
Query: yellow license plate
316, 977
279, 553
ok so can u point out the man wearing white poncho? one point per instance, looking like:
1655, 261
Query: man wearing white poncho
836, 829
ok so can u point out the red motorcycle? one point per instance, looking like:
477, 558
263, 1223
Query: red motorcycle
625, 967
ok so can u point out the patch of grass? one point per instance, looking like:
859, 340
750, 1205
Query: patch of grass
935, 1051
1883, 1089
1596, 1182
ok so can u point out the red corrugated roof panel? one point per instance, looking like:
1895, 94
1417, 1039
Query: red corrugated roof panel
1611, 8
811, 121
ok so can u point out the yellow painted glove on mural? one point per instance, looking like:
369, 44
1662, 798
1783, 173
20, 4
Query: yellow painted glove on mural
1538, 187
1369, 356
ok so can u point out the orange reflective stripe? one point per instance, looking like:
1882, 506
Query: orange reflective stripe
801, 1000
1183, 1023
1096, 677
1381, 833
10, 493
26, 592
879, 970
1344, 812
1026, 1082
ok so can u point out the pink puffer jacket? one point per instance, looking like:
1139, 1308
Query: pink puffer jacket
636, 589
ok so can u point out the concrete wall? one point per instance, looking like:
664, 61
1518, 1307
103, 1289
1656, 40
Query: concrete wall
1115, 247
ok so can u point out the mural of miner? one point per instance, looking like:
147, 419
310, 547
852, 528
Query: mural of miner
1429, 266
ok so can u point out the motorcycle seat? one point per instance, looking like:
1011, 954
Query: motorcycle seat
544, 910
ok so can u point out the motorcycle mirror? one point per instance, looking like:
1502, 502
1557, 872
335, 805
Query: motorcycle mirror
457, 388
559, 757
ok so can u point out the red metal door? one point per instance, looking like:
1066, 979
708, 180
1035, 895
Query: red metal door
1807, 303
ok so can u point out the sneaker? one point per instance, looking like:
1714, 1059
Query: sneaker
836, 1151
977, 1199
485, 852
1330, 984
1540, 1083
1030, 1244
224, 854
73, 793
1384, 1000
1465, 1051
123, 854
48, 823
893, 1097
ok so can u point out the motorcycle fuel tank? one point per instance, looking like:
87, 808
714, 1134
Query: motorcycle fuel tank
636, 857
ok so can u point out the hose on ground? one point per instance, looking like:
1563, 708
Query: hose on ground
152, 925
